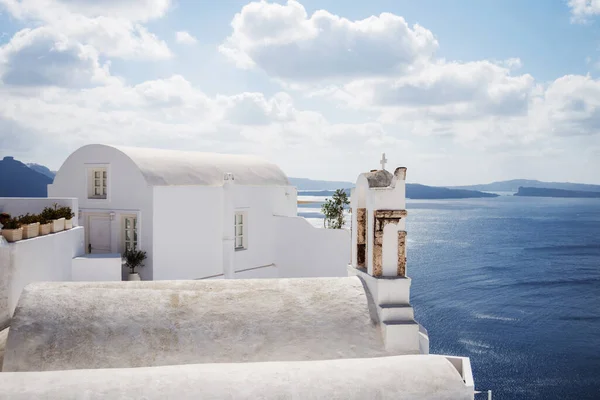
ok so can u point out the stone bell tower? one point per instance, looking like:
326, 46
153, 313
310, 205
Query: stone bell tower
378, 204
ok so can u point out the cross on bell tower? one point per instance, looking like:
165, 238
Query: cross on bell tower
383, 161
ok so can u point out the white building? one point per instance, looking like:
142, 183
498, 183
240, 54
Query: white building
337, 338
197, 215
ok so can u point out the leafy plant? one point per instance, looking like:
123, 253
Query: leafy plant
333, 209
65, 212
50, 213
28, 219
4, 217
11, 223
134, 258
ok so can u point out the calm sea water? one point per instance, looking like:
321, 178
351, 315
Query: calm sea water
513, 283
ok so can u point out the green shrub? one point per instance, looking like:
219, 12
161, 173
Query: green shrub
333, 210
134, 258
12, 223
28, 219
65, 212
50, 213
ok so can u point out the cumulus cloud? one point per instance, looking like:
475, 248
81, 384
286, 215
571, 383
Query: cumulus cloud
113, 27
572, 105
184, 37
286, 43
41, 57
456, 89
582, 10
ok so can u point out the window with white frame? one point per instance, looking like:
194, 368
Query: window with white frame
97, 183
240, 231
130, 233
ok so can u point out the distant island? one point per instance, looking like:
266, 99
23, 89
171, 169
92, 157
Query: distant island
419, 192
547, 192
514, 185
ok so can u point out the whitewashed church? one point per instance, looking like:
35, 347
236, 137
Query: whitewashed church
197, 215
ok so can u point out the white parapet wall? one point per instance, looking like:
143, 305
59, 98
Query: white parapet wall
301, 250
16, 206
44, 258
97, 268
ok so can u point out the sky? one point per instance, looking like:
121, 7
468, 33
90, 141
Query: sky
458, 91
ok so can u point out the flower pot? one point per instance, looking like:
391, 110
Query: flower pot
58, 225
134, 277
68, 223
45, 228
13, 235
31, 230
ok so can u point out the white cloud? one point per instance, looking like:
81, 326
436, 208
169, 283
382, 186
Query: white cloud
571, 105
286, 43
41, 57
184, 37
582, 10
255, 109
448, 90
389, 92
113, 28
133, 10
174, 114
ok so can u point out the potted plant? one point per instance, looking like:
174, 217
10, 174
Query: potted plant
11, 230
45, 225
67, 214
52, 214
30, 226
134, 258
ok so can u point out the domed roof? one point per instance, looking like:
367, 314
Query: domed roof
179, 168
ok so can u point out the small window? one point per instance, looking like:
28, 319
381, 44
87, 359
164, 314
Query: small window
97, 184
240, 237
130, 233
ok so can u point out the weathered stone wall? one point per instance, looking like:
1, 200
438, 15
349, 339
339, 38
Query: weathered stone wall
401, 253
382, 218
361, 229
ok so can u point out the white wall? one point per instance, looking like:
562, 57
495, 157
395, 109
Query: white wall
44, 258
96, 268
16, 206
258, 204
302, 250
128, 193
188, 232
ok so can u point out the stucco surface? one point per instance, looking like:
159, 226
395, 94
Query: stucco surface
400, 377
172, 167
77, 325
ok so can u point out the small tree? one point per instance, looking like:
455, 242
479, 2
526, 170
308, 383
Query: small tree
134, 258
333, 209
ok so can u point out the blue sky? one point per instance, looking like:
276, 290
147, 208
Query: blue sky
476, 91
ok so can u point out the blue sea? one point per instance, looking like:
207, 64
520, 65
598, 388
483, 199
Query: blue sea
514, 284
